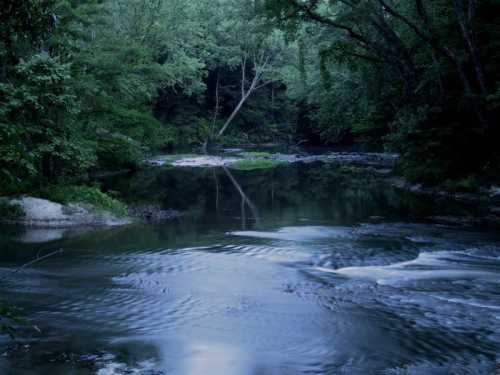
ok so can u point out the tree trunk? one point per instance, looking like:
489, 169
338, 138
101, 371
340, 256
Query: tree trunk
244, 95
468, 88
470, 43
233, 115
217, 104
429, 37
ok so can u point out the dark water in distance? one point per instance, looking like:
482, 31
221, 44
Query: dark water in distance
315, 269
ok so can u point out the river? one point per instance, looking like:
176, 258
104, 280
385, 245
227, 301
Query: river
300, 269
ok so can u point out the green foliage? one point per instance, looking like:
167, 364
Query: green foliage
418, 147
422, 79
10, 317
23, 26
84, 194
467, 184
101, 83
92, 98
39, 136
10, 210
431, 152
119, 152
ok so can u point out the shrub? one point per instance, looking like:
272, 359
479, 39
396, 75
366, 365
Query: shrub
10, 210
435, 146
467, 184
119, 153
9, 319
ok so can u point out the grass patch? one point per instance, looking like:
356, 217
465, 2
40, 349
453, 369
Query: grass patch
249, 165
10, 210
85, 194
256, 154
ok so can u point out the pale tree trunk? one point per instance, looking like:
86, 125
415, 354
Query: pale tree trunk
302, 66
204, 146
217, 102
233, 115
259, 65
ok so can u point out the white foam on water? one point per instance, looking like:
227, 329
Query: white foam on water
305, 233
428, 265
469, 302
116, 368
205, 161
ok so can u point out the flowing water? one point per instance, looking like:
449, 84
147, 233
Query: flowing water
305, 269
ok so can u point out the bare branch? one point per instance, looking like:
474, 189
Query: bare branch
30, 263
266, 84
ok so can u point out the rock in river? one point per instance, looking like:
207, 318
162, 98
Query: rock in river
42, 213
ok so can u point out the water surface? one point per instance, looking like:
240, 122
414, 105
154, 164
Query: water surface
306, 269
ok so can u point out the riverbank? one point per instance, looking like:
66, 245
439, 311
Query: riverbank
42, 213
88, 206
234, 158
488, 197
382, 163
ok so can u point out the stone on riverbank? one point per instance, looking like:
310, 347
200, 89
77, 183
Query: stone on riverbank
36, 212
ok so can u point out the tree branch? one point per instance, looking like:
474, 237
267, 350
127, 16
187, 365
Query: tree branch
30, 263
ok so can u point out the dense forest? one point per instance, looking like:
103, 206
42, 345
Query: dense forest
91, 85
249, 187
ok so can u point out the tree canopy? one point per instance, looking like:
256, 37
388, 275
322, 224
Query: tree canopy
92, 84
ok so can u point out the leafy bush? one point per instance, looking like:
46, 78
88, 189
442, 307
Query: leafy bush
39, 134
85, 194
467, 184
10, 211
432, 147
119, 152
9, 318
137, 124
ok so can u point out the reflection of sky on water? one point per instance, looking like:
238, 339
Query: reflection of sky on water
309, 289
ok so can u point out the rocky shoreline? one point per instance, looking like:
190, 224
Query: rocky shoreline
39, 213
487, 198
193, 161
42, 213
